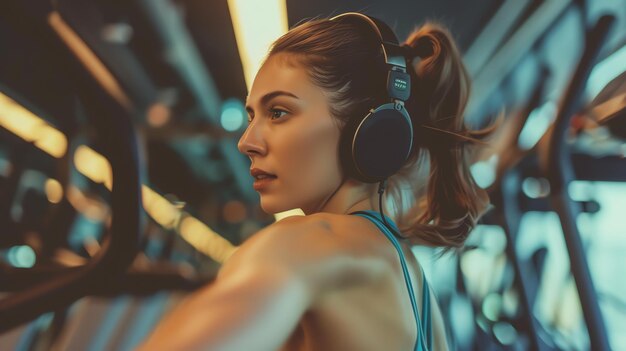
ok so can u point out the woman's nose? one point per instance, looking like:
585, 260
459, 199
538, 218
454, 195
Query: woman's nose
252, 142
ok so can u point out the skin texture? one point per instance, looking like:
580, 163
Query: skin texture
304, 283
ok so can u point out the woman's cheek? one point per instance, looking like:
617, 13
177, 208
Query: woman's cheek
309, 149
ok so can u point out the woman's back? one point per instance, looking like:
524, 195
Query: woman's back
375, 317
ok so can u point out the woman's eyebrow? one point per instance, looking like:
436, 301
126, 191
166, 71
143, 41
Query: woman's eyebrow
269, 96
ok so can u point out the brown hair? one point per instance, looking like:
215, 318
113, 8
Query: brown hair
347, 63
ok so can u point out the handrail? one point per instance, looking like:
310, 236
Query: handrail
557, 166
505, 191
156, 278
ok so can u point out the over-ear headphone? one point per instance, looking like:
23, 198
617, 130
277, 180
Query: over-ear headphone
375, 146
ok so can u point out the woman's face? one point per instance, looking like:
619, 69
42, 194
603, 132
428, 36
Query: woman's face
292, 140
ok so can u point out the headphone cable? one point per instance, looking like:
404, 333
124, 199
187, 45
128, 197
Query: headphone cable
381, 189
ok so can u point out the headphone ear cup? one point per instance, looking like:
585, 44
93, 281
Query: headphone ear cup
377, 146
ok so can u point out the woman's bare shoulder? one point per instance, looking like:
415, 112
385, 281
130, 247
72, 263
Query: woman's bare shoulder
320, 248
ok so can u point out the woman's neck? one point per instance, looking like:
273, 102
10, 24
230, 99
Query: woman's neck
350, 197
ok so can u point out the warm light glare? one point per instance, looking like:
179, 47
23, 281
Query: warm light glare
158, 114
54, 190
92, 208
205, 240
93, 165
159, 208
257, 24
31, 128
51, 140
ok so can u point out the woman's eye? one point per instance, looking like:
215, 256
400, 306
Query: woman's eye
277, 113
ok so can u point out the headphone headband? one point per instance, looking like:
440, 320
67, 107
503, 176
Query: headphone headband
394, 54
398, 81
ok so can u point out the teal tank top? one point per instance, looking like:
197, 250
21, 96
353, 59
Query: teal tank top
424, 340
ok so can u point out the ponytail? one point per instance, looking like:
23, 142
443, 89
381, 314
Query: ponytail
448, 208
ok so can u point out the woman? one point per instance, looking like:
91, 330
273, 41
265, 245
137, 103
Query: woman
336, 278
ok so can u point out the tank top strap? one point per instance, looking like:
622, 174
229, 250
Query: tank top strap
426, 312
423, 331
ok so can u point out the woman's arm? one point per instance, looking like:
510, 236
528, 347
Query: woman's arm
265, 287
252, 310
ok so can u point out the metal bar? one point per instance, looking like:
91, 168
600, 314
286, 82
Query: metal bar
507, 58
487, 42
184, 55
560, 172
507, 199
511, 217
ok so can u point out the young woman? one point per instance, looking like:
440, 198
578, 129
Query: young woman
341, 277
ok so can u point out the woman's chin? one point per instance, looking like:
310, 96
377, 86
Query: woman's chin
272, 207
275, 207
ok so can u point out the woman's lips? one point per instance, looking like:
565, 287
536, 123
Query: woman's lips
262, 179
263, 182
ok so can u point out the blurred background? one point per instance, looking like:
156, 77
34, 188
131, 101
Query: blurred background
150, 93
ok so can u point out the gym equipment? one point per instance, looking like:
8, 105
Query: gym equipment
557, 165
